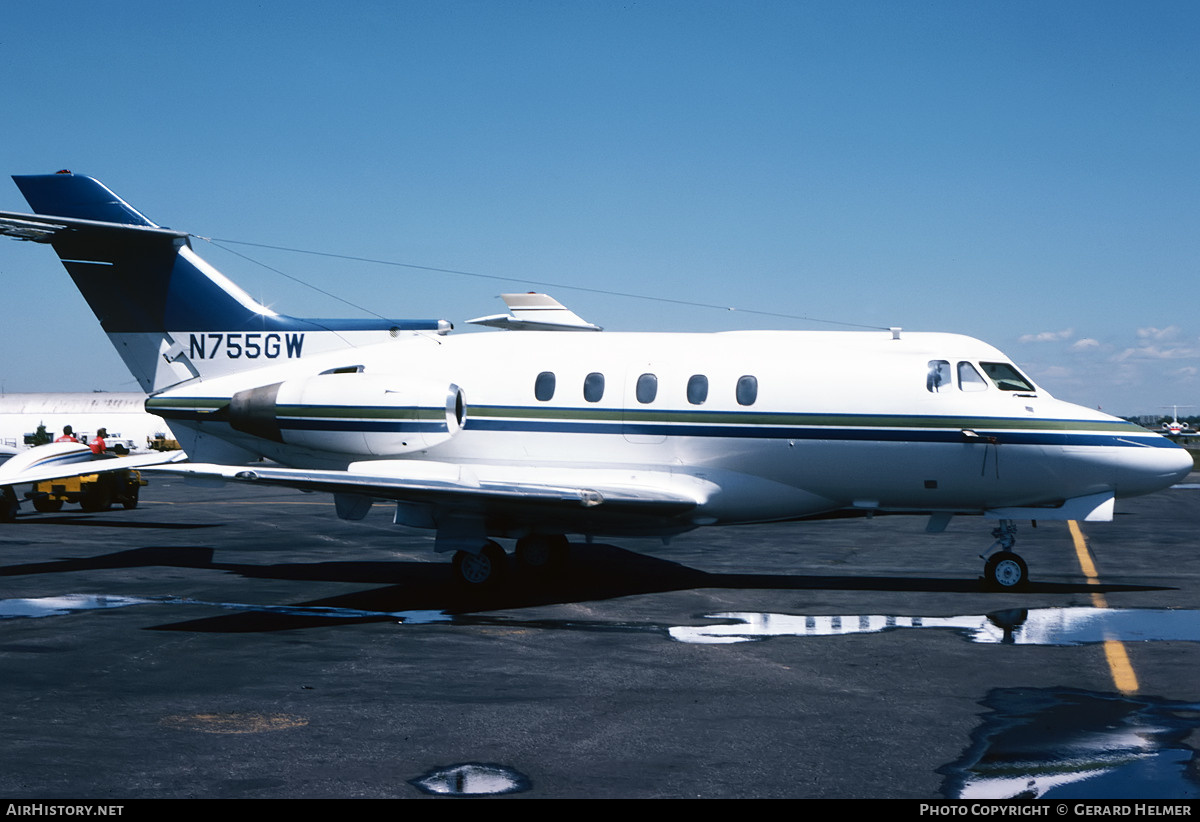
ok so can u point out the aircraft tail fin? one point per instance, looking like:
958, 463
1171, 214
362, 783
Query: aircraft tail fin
69, 195
171, 316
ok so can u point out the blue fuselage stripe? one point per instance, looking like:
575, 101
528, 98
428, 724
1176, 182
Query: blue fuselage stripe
867, 434
357, 426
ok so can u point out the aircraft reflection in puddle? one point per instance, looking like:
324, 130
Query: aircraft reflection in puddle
65, 604
68, 603
1036, 626
472, 779
1063, 743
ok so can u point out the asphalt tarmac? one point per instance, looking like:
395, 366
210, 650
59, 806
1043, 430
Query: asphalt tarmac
243, 642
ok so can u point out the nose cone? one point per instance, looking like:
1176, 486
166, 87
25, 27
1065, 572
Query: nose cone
1146, 470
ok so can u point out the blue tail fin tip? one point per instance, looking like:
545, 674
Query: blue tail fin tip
72, 195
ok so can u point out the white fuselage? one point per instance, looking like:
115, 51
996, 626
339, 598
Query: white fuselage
825, 421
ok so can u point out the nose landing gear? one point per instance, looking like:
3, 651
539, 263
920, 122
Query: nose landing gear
1005, 570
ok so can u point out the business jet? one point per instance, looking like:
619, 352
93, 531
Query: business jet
535, 435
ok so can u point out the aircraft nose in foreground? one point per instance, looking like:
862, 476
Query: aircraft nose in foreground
1146, 470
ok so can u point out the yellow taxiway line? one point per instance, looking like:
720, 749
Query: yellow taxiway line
1114, 650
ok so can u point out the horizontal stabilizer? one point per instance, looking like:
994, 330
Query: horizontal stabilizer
42, 229
171, 315
535, 312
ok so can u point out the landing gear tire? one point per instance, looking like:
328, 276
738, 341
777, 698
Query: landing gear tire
1005, 571
9, 504
96, 498
46, 505
542, 552
482, 570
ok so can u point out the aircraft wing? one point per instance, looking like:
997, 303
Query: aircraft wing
462, 490
59, 460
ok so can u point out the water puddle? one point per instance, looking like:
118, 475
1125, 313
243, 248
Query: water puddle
58, 606
69, 603
1062, 743
472, 779
1018, 626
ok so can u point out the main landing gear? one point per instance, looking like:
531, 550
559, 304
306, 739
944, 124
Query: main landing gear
1005, 571
484, 569
536, 553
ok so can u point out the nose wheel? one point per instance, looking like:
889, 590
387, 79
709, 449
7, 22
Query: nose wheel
1005, 570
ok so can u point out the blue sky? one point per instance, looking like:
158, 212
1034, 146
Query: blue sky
1023, 172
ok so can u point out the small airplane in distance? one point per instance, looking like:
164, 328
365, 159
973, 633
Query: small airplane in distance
1175, 428
535, 435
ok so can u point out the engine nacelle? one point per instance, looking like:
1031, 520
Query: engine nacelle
351, 413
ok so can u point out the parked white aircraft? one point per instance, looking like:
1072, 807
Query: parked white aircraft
30, 424
122, 414
535, 435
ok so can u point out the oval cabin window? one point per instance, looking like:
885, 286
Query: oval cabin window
747, 390
647, 388
593, 387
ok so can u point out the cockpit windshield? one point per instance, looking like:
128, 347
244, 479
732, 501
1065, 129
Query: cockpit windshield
1006, 377
941, 377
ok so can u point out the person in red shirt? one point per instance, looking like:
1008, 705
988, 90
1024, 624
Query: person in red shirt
68, 435
97, 442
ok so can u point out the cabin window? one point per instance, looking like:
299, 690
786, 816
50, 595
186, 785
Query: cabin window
938, 378
593, 387
747, 390
1006, 377
697, 389
969, 379
647, 388
543, 386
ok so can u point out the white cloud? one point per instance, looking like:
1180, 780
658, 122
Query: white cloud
1158, 334
1084, 343
1047, 336
1154, 352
